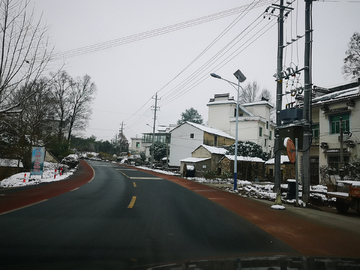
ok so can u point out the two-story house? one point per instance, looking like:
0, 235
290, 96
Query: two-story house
254, 120
186, 137
335, 105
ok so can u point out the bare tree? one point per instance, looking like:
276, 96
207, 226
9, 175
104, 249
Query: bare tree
81, 96
36, 117
31, 125
251, 92
352, 60
24, 49
62, 86
266, 95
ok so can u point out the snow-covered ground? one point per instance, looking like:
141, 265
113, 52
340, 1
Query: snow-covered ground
49, 175
264, 190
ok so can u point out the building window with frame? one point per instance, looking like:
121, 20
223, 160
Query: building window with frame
240, 113
335, 123
334, 162
270, 134
260, 131
137, 144
267, 124
191, 135
315, 133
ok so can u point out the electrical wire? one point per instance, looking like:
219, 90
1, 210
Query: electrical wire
206, 49
218, 66
152, 33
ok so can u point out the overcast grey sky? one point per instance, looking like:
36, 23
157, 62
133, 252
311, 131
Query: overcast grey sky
133, 49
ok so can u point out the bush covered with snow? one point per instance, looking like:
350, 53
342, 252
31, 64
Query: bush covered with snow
71, 161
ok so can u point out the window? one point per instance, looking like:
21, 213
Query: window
267, 124
191, 135
270, 134
315, 133
335, 123
265, 142
334, 162
215, 140
240, 113
260, 131
137, 144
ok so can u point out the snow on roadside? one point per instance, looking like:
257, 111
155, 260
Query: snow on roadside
17, 180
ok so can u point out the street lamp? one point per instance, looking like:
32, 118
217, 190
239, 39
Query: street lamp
240, 77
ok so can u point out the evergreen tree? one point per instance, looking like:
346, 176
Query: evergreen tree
248, 149
190, 115
352, 60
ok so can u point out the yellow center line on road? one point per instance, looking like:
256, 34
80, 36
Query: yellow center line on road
123, 173
134, 184
131, 205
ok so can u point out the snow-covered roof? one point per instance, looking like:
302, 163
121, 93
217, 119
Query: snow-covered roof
241, 158
213, 149
338, 95
218, 102
284, 158
6, 162
211, 130
194, 159
256, 103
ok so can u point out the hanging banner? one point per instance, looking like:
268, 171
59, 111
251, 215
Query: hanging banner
37, 160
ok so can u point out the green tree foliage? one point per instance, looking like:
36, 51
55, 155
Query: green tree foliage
92, 145
159, 150
351, 66
248, 149
190, 115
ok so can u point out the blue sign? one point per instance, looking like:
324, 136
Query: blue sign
37, 160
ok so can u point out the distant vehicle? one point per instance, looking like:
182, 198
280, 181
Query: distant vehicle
347, 196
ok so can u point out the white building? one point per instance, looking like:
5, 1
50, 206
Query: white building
255, 124
186, 137
137, 145
335, 103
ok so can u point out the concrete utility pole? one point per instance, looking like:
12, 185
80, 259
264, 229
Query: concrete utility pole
122, 128
307, 101
279, 90
153, 136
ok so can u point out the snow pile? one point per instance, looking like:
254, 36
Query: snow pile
159, 171
278, 207
264, 190
49, 175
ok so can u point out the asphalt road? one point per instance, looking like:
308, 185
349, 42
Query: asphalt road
126, 217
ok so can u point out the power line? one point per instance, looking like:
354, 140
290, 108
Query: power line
181, 90
152, 33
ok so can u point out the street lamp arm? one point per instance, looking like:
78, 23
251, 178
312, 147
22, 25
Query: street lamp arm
219, 77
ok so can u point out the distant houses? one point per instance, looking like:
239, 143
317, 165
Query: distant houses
255, 124
188, 136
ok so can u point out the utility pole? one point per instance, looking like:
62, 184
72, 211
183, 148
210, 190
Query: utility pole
279, 90
307, 101
122, 128
341, 166
153, 136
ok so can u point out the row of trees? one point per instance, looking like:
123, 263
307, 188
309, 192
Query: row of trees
115, 146
54, 108
35, 109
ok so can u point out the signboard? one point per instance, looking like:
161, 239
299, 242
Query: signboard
292, 132
37, 160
